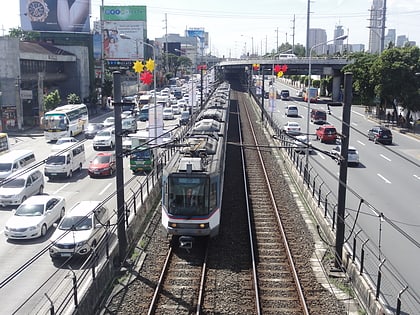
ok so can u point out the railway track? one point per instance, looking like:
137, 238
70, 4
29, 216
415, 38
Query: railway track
229, 279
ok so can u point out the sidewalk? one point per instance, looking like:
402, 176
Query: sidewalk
394, 127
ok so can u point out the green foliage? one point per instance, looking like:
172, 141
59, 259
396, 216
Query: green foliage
52, 100
73, 98
23, 35
390, 76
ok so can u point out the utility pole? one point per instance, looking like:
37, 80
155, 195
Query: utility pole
342, 185
277, 47
383, 18
307, 28
293, 34
119, 162
166, 40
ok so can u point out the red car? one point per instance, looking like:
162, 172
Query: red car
102, 165
326, 133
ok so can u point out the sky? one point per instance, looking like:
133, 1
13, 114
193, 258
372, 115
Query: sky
236, 27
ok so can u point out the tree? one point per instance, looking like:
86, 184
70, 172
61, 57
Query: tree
363, 83
396, 82
23, 35
52, 100
73, 98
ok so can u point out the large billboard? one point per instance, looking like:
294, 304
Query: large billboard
124, 13
55, 15
121, 40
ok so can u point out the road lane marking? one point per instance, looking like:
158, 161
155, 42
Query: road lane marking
360, 142
106, 187
360, 114
61, 188
416, 176
383, 156
384, 179
354, 124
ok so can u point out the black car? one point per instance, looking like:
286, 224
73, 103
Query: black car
92, 129
380, 134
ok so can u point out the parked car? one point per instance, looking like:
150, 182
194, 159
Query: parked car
104, 139
35, 216
352, 155
292, 111
291, 128
109, 122
92, 129
326, 133
102, 165
80, 230
168, 113
302, 145
380, 134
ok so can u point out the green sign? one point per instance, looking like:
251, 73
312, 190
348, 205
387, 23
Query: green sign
124, 13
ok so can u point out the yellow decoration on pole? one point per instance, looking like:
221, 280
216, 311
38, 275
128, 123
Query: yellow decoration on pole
138, 66
150, 65
279, 74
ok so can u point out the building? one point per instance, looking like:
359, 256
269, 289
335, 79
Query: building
375, 25
317, 36
390, 38
29, 70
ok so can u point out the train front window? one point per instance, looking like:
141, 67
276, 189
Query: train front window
188, 196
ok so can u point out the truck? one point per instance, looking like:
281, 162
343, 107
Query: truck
312, 94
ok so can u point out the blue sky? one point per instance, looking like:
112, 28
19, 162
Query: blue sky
233, 27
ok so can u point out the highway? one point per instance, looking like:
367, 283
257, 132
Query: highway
387, 179
15, 254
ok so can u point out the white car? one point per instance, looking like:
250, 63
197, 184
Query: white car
176, 109
352, 155
291, 128
35, 216
104, 139
168, 113
65, 140
301, 144
81, 229
109, 122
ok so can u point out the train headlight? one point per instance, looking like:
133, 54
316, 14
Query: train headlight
203, 225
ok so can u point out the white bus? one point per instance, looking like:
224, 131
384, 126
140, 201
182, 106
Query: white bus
65, 121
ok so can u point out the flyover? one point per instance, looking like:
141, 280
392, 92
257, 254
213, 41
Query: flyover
323, 66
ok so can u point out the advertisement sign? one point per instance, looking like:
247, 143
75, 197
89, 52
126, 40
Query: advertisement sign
124, 13
195, 32
55, 16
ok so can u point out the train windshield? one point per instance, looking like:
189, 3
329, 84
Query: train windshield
187, 196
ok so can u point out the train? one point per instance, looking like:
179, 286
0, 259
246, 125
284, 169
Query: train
192, 180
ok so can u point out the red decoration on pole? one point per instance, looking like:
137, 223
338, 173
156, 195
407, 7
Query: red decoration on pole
277, 68
146, 77
284, 68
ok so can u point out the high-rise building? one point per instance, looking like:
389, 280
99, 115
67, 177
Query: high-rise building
317, 36
376, 18
401, 40
390, 38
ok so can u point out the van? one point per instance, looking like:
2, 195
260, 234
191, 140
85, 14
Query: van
18, 187
129, 125
14, 160
318, 116
80, 230
144, 113
64, 160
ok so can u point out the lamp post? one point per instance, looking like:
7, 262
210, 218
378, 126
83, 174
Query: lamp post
342, 37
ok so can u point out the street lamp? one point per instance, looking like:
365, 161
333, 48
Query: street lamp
154, 127
342, 37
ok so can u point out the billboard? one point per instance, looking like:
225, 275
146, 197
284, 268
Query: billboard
124, 13
55, 16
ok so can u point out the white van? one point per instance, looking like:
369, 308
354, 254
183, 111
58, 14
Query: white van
81, 229
18, 187
64, 160
129, 125
14, 160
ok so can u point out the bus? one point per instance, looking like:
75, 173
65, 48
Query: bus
142, 155
4, 143
65, 121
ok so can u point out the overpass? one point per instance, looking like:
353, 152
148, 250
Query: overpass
324, 66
